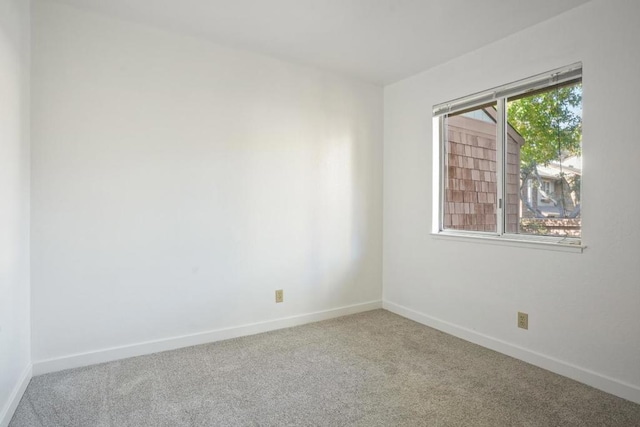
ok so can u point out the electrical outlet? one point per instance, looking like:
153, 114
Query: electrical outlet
279, 295
523, 320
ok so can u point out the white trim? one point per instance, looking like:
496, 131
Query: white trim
14, 399
546, 243
148, 347
610, 385
437, 183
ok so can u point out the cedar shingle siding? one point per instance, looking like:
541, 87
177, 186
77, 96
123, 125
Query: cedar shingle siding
471, 187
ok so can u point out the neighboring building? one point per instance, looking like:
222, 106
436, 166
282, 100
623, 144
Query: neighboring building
471, 190
554, 193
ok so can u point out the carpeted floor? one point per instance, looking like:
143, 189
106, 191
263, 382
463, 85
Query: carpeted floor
369, 369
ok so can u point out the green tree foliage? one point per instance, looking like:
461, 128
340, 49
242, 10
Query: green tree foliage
549, 124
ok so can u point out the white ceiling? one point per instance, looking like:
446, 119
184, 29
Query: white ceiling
381, 41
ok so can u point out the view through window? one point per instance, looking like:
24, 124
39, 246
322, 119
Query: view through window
550, 160
513, 166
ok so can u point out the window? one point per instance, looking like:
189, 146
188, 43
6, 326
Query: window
511, 160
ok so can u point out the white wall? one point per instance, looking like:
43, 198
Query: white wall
583, 309
177, 184
15, 338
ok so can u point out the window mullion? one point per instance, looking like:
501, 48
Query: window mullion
501, 156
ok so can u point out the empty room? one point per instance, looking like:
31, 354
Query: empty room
319, 213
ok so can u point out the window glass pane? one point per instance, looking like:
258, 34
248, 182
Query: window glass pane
544, 163
470, 182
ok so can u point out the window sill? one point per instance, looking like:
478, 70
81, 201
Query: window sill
530, 242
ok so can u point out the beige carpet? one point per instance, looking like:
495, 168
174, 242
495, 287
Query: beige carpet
370, 369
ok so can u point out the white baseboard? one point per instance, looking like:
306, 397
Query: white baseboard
16, 395
586, 376
139, 349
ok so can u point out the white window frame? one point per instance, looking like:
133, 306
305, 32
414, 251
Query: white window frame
499, 96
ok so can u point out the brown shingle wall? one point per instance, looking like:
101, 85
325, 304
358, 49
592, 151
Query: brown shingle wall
471, 185
512, 204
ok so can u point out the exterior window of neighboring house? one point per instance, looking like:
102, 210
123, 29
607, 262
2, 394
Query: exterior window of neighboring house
544, 195
510, 160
